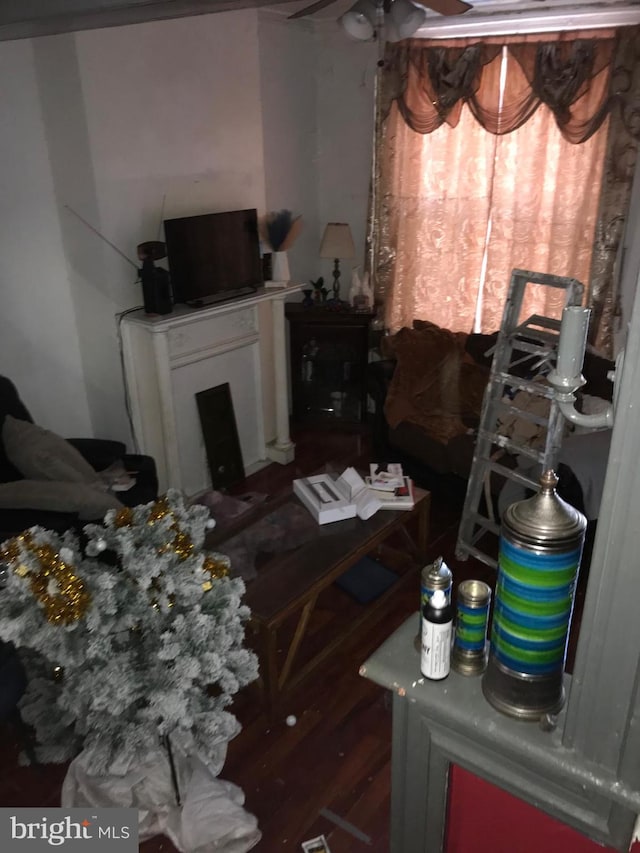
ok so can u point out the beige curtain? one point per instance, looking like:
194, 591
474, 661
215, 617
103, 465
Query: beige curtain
434, 208
458, 208
619, 166
544, 206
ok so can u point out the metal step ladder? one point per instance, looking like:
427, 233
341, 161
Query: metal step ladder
533, 340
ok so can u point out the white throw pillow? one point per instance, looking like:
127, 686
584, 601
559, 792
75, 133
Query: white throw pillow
42, 455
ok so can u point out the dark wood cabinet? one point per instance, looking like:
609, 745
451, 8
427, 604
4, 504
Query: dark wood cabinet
329, 352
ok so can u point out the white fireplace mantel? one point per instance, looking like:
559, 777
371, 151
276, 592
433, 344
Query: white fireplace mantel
170, 358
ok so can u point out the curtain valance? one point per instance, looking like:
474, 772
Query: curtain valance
569, 72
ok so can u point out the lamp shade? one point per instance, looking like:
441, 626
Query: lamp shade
360, 20
405, 18
337, 241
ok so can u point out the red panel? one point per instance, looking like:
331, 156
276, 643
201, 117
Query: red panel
484, 819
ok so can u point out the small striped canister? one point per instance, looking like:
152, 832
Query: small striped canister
469, 652
541, 541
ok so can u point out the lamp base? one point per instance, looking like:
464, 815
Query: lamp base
336, 279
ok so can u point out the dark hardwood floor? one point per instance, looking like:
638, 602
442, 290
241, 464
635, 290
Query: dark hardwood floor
336, 761
330, 772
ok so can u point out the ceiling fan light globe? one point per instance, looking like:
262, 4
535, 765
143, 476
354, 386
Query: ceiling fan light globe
359, 21
406, 18
391, 31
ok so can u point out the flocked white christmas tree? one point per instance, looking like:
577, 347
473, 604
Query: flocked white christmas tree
131, 635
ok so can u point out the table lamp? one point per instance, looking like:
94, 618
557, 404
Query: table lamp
337, 243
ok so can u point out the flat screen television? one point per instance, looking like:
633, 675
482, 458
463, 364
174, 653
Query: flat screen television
214, 256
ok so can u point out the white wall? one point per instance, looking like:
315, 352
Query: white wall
317, 96
345, 81
290, 129
39, 347
129, 125
174, 124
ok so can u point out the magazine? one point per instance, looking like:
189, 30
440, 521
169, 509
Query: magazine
400, 498
385, 481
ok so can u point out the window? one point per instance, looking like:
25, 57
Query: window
459, 207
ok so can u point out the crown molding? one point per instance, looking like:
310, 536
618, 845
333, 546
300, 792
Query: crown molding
491, 23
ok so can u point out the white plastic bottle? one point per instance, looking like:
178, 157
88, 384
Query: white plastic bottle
437, 624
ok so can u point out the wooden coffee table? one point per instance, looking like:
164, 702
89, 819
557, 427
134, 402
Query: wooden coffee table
289, 583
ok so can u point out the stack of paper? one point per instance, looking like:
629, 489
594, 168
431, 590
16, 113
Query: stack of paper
391, 487
334, 500
400, 497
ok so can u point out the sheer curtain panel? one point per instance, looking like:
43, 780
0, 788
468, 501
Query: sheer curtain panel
489, 156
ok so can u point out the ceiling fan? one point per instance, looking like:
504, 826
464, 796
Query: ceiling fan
400, 19
443, 7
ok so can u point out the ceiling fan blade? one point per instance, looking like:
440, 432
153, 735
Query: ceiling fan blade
314, 7
446, 7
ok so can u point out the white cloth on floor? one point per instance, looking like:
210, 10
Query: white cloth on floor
210, 819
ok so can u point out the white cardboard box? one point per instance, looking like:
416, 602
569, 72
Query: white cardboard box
351, 484
323, 499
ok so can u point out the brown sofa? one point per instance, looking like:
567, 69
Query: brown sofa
427, 391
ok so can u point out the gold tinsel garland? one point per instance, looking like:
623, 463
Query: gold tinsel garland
124, 517
216, 568
181, 543
158, 511
71, 600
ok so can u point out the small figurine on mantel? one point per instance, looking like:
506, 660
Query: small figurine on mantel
367, 291
361, 294
320, 291
356, 284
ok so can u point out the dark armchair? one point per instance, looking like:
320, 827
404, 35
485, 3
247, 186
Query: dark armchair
440, 462
99, 453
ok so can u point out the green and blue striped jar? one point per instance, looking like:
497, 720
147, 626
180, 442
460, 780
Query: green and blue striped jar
541, 543
469, 652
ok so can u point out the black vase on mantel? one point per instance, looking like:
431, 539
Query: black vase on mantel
156, 285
